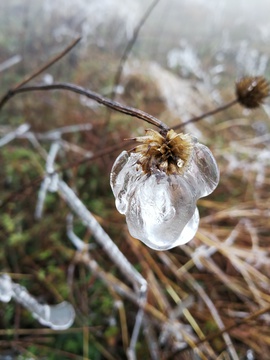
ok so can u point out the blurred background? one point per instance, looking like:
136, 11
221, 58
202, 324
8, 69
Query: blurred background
184, 62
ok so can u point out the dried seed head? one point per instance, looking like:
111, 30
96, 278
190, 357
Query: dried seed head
252, 90
169, 153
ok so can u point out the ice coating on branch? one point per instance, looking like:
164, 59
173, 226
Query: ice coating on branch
58, 317
157, 189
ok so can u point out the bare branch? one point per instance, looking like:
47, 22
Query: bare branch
38, 71
91, 95
47, 65
237, 323
204, 115
130, 45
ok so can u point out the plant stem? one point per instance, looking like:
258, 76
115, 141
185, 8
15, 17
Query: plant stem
47, 65
130, 45
92, 95
209, 113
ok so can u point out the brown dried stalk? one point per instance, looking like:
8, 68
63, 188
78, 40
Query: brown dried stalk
91, 95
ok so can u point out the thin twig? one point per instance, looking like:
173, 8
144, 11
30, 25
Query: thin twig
237, 323
126, 53
130, 45
209, 113
47, 65
38, 71
92, 95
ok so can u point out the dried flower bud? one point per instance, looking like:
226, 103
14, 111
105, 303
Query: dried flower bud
157, 187
252, 90
169, 153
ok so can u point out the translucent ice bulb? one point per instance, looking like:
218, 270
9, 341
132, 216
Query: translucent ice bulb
57, 317
160, 208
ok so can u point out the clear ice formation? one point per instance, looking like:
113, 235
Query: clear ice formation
58, 317
161, 209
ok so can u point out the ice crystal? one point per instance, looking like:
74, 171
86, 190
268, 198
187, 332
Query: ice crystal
159, 205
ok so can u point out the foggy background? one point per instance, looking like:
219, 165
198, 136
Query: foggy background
198, 36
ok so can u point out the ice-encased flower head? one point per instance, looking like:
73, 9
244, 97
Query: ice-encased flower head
158, 184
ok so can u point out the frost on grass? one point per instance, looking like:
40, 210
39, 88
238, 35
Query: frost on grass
157, 186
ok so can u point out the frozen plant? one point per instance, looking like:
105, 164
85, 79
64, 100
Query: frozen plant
158, 184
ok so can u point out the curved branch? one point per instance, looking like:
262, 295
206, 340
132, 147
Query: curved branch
92, 95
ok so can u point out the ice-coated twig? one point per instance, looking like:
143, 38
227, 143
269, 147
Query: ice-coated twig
50, 181
139, 283
131, 352
76, 241
57, 133
10, 62
57, 317
5, 288
173, 315
181, 334
100, 235
204, 251
36, 144
110, 280
67, 146
42, 196
151, 339
55, 147
122, 290
181, 306
14, 134
250, 355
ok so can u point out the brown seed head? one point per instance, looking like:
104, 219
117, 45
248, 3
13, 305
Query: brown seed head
252, 90
169, 153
